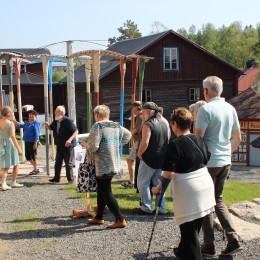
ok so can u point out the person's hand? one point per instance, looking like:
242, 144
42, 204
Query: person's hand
67, 144
155, 190
83, 143
20, 151
140, 156
35, 146
46, 123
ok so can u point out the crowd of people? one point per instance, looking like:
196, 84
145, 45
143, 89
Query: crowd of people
194, 151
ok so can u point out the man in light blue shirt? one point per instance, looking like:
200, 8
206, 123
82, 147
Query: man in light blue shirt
218, 124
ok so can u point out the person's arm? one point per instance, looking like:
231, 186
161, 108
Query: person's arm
47, 125
12, 135
235, 139
68, 142
94, 138
126, 135
146, 134
37, 134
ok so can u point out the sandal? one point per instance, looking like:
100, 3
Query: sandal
34, 172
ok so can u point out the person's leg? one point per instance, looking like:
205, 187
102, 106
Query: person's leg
145, 174
189, 247
220, 208
4, 177
68, 159
131, 165
108, 198
100, 200
137, 163
58, 165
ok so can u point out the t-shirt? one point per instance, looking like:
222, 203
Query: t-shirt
184, 155
31, 131
218, 119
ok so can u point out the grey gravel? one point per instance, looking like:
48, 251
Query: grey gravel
56, 235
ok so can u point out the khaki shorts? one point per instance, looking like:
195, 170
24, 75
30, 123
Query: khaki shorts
133, 152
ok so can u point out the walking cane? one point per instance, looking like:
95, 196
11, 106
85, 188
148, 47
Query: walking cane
165, 183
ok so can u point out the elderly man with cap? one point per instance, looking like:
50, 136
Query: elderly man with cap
152, 148
31, 137
136, 110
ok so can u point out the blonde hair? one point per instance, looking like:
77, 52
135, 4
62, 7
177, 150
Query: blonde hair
6, 111
102, 111
194, 108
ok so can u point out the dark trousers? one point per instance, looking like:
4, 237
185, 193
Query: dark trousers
68, 157
219, 176
105, 197
189, 246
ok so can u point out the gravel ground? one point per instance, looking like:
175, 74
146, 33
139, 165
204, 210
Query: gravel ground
55, 235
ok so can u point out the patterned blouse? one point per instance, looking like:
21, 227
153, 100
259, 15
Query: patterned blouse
104, 141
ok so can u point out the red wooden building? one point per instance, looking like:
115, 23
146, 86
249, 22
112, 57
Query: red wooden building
172, 79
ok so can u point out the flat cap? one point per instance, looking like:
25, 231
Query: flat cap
151, 106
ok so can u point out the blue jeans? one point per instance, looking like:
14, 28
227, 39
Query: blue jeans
146, 175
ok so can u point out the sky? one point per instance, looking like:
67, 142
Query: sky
35, 23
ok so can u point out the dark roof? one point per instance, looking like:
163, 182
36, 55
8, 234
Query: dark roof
136, 46
256, 142
26, 79
247, 104
28, 51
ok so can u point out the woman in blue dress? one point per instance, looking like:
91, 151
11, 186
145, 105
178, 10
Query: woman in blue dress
9, 149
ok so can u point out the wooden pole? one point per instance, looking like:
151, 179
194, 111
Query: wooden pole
9, 68
96, 73
46, 108
71, 84
141, 78
17, 67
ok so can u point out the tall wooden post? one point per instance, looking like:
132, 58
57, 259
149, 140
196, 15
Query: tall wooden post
46, 108
1, 87
96, 73
9, 68
71, 84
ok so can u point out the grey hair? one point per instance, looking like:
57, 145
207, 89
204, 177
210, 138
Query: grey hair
62, 109
102, 110
6, 111
214, 84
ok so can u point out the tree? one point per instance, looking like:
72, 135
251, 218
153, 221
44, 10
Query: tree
158, 27
129, 30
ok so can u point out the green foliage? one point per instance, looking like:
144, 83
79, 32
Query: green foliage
58, 75
232, 43
158, 27
30, 221
129, 30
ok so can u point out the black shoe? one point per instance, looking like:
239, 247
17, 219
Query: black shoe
208, 250
141, 212
232, 248
177, 252
54, 180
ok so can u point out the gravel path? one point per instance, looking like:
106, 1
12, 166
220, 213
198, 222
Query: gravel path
55, 235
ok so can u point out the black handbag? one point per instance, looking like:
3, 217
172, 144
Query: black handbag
87, 181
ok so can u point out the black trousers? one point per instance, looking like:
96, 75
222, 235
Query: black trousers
189, 246
105, 197
68, 157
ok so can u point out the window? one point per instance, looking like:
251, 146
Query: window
147, 95
194, 94
170, 59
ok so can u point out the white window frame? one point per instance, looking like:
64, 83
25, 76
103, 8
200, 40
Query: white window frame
147, 95
173, 63
194, 94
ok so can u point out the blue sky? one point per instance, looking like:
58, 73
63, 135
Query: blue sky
33, 24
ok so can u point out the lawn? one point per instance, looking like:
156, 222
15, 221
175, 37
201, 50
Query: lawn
128, 199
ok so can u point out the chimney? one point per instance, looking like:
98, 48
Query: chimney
250, 63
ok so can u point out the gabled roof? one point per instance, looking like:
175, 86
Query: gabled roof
28, 51
27, 78
136, 46
247, 104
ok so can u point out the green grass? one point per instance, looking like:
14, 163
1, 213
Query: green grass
30, 221
46, 245
128, 199
238, 191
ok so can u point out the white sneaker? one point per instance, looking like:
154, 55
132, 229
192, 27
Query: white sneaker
16, 185
5, 187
